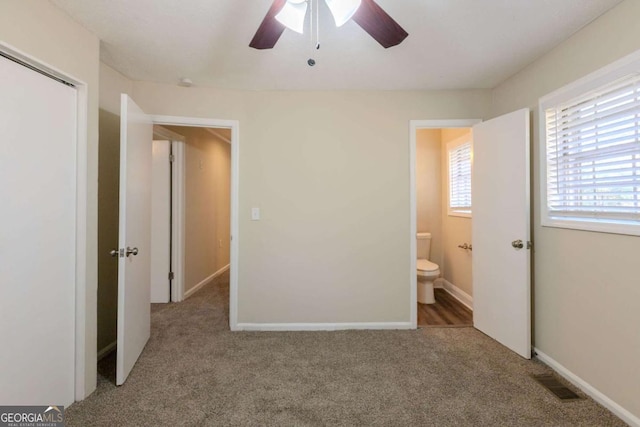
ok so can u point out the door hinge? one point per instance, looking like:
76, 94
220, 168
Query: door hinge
529, 245
172, 158
171, 275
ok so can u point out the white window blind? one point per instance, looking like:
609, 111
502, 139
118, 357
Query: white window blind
460, 178
593, 154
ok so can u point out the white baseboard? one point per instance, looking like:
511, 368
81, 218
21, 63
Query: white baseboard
204, 282
456, 292
321, 326
108, 349
595, 394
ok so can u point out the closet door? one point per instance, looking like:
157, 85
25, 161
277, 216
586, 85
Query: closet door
37, 237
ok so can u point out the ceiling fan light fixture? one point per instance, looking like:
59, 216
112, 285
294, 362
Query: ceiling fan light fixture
292, 15
343, 10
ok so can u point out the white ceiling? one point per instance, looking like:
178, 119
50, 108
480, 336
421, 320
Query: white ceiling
452, 44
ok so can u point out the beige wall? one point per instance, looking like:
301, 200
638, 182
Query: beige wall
112, 84
207, 203
429, 189
42, 31
330, 172
587, 286
456, 230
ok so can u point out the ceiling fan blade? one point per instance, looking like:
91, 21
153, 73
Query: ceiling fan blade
375, 21
270, 29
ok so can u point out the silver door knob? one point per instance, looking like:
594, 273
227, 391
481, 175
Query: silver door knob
114, 252
518, 244
132, 251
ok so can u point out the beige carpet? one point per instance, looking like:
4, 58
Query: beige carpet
195, 372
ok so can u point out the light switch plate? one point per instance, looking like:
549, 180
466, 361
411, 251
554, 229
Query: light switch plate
255, 214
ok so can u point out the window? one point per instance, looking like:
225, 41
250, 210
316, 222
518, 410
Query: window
592, 155
459, 157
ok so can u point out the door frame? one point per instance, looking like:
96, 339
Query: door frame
414, 126
85, 325
178, 184
176, 142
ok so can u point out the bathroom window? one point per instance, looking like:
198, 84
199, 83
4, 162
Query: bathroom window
459, 156
591, 148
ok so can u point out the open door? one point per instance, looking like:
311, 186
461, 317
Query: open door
501, 231
134, 257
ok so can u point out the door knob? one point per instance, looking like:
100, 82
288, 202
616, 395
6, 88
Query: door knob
114, 252
132, 251
518, 244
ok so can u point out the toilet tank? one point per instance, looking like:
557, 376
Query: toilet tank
423, 245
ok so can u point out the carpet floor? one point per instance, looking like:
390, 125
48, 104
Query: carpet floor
194, 371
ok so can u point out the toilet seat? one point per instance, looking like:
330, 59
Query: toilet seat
426, 266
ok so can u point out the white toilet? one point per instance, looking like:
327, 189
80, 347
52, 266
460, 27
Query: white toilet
427, 270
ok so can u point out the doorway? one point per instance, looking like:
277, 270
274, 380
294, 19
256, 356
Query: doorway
501, 262
190, 220
231, 128
430, 128
443, 223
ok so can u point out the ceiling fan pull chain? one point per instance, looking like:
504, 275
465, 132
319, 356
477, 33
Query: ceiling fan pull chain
311, 62
310, 22
317, 24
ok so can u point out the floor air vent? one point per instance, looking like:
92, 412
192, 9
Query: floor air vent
559, 390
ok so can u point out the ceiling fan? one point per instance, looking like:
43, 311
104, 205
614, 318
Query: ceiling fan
291, 14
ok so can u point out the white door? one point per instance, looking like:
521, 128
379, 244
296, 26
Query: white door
501, 213
37, 237
160, 221
134, 261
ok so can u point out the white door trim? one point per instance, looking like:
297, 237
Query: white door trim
414, 125
234, 126
85, 333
